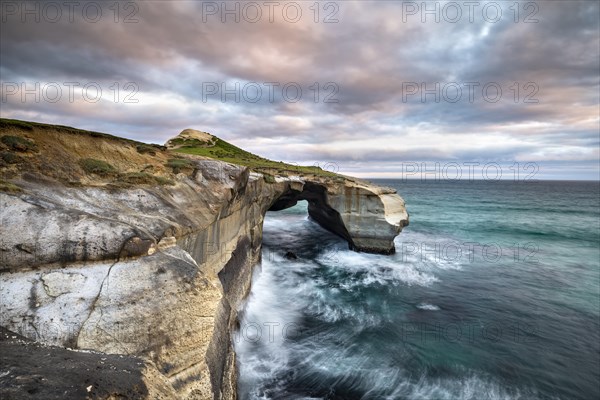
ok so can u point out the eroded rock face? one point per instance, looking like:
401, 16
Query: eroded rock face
369, 217
373, 216
151, 285
160, 272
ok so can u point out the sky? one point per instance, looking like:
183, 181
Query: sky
411, 89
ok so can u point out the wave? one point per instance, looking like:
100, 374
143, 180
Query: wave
372, 269
312, 326
318, 373
471, 387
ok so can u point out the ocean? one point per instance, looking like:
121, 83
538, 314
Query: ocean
493, 293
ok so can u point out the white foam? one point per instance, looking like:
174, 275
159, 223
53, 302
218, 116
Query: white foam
471, 387
286, 291
374, 269
428, 307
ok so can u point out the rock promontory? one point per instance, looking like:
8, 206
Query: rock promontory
116, 247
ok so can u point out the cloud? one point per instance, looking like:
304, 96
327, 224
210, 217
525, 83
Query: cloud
359, 104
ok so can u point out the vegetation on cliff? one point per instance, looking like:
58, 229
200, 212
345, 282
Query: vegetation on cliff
224, 151
87, 158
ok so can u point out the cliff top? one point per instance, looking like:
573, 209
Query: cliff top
206, 145
77, 157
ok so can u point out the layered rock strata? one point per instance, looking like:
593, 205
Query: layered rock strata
159, 272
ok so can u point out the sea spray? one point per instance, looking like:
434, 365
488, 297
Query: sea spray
495, 320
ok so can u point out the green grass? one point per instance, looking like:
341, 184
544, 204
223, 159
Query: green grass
163, 181
177, 164
142, 178
227, 152
190, 142
9, 187
148, 149
269, 178
18, 143
10, 158
6, 123
98, 167
221, 150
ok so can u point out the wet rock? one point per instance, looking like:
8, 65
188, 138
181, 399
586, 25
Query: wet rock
290, 255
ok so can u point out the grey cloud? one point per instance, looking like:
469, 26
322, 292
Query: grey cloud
171, 52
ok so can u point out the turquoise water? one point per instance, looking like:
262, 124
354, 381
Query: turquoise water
493, 293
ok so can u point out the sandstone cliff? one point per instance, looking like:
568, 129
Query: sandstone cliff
146, 252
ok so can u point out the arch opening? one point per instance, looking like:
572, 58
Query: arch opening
318, 209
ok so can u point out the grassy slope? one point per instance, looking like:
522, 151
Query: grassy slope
78, 157
6, 123
225, 151
220, 150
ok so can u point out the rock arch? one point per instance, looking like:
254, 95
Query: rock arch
368, 217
